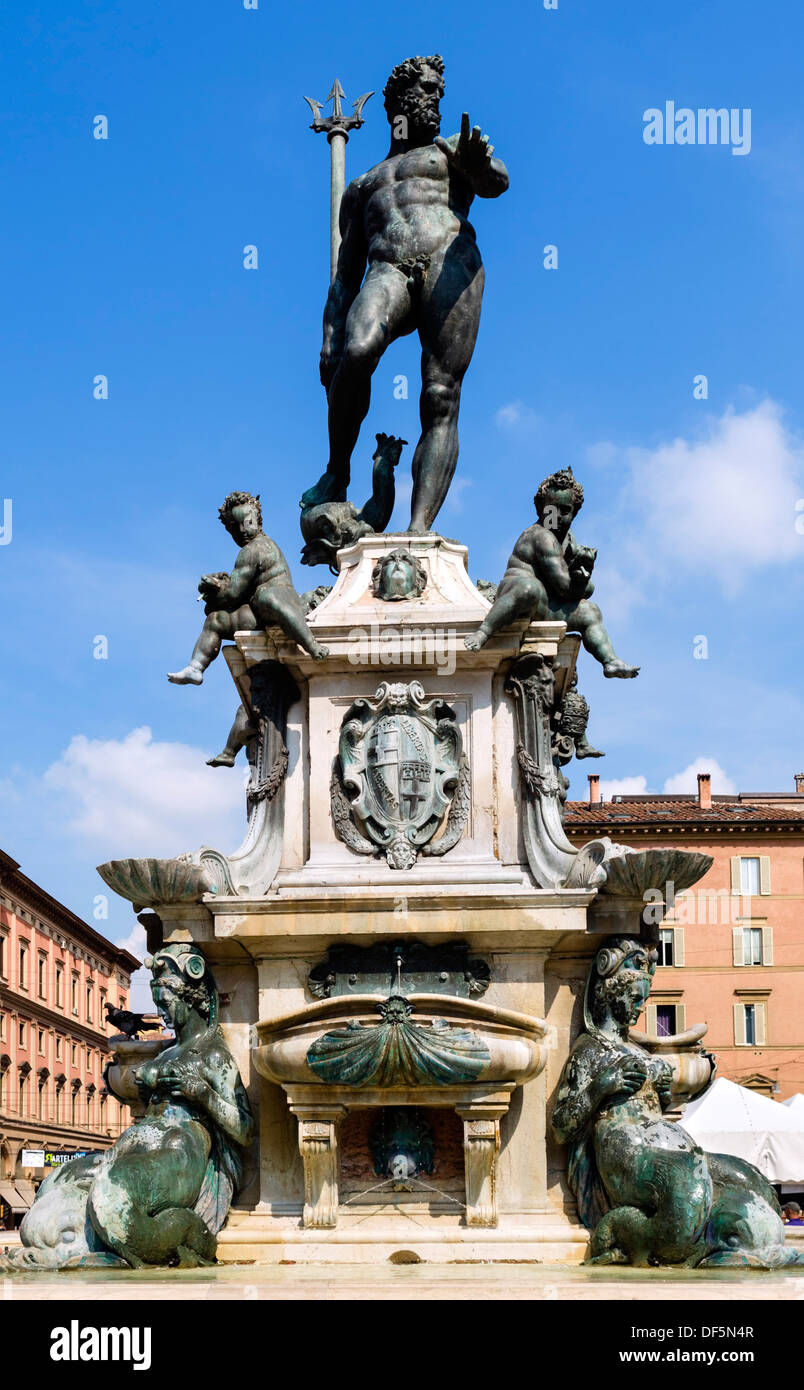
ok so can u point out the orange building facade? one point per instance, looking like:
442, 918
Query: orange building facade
732, 949
56, 975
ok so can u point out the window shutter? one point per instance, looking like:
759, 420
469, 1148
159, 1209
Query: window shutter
678, 945
737, 946
739, 1025
761, 1024
651, 1022
767, 945
764, 874
735, 875
681, 1017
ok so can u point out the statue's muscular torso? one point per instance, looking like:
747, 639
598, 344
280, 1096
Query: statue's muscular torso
413, 206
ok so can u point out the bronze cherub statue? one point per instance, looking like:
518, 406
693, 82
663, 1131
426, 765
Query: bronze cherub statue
549, 576
258, 593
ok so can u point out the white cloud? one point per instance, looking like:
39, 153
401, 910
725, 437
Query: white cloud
623, 786
687, 781
722, 503
517, 417
134, 796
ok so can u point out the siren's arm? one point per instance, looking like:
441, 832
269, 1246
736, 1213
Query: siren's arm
212, 1090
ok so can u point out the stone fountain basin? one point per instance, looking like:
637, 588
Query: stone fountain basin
692, 1068
509, 1046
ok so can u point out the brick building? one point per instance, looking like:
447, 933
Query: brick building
56, 974
732, 950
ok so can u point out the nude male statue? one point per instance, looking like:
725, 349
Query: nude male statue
258, 593
407, 220
549, 576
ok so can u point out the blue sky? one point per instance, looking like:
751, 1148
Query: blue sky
124, 257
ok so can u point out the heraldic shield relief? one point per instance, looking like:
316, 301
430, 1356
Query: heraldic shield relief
400, 770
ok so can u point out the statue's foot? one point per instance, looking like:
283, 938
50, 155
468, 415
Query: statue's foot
191, 675
319, 653
586, 750
619, 668
329, 488
223, 759
476, 640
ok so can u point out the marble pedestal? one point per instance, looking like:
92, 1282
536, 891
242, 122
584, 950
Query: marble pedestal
510, 889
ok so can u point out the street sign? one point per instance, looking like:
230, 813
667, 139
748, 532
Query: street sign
33, 1158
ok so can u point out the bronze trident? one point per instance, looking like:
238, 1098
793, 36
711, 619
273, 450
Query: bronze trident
336, 127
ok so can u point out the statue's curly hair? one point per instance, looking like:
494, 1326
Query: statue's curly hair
405, 73
562, 481
238, 499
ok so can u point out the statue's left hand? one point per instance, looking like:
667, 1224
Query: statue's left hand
183, 1081
471, 157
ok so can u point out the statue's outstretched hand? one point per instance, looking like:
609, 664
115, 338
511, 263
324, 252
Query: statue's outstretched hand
471, 156
389, 447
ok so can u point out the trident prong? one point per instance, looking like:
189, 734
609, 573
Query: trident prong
336, 127
337, 123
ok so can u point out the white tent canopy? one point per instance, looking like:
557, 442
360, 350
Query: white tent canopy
795, 1103
731, 1119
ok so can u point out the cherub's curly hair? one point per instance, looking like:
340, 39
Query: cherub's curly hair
405, 73
562, 481
238, 499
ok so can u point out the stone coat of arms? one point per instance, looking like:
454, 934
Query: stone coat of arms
400, 770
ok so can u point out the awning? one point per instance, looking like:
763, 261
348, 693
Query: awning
15, 1199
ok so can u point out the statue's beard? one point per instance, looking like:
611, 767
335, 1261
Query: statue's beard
423, 115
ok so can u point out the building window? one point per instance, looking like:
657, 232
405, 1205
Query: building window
58, 1047
74, 995
74, 1053
89, 1003
73, 1107
23, 975
22, 1035
59, 985
40, 1101
750, 875
40, 1039
752, 945
23, 1084
751, 1023
671, 946
665, 1020
2, 1027
41, 976
3, 954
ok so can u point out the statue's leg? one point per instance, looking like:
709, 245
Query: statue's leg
587, 619
241, 733
520, 595
217, 626
278, 605
380, 313
449, 319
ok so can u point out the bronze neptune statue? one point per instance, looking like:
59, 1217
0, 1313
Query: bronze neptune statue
644, 1189
161, 1194
408, 262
